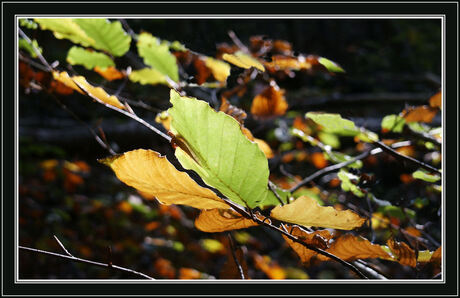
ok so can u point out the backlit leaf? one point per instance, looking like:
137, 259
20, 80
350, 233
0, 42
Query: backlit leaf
64, 78
347, 182
436, 100
317, 238
157, 56
211, 143
330, 65
153, 174
243, 60
97, 93
265, 148
220, 70
402, 252
394, 123
89, 59
147, 76
68, 29
109, 73
425, 176
270, 102
420, 114
305, 211
334, 123
219, 220
107, 36
24, 45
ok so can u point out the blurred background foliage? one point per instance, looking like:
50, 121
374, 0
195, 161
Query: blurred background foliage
65, 192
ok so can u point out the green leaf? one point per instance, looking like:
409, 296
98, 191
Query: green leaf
396, 211
107, 36
157, 56
23, 44
211, 144
338, 157
89, 59
29, 24
329, 139
68, 29
425, 176
330, 65
334, 123
147, 76
347, 184
393, 123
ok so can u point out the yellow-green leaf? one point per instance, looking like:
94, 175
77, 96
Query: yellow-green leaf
220, 70
89, 59
154, 175
68, 29
243, 60
147, 76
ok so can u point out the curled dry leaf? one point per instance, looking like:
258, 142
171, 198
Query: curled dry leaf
305, 211
420, 114
271, 102
153, 174
219, 220
403, 253
237, 113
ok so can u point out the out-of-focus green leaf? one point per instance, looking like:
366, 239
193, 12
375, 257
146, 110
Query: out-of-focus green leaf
157, 56
425, 176
338, 157
23, 44
89, 59
211, 143
396, 211
68, 29
29, 24
347, 184
329, 139
334, 123
147, 76
393, 123
330, 65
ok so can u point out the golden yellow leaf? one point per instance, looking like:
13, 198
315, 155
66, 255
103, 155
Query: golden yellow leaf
403, 253
109, 73
350, 247
153, 174
64, 78
220, 70
219, 220
270, 102
264, 147
243, 60
98, 93
305, 211
318, 239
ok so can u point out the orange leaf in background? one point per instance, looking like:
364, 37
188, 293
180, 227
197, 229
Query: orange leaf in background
171, 210
318, 160
125, 207
288, 157
317, 238
280, 62
436, 100
165, 268
151, 173
152, 225
334, 182
202, 71
350, 247
269, 267
413, 231
406, 178
219, 220
436, 256
406, 150
420, 114
189, 273
109, 73
71, 180
270, 102
403, 253
282, 47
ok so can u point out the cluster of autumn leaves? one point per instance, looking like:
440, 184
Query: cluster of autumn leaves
219, 148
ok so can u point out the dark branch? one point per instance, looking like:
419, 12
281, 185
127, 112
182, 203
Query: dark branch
232, 248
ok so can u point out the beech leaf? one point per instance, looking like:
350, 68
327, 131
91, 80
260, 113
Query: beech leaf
436, 100
270, 102
147, 76
243, 60
89, 59
307, 212
317, 238
212, 144
68, 29
154, 175
220, 70
425, 176
220, 220
402, 252
334, 123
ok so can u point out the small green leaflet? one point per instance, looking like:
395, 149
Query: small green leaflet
157, 55
393, 123
347, 184
330, 65
338, 157
147, 76
24, 45
211, 144
29, 24
89, 59
425, 176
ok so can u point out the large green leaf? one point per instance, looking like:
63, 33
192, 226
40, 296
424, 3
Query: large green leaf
89, 59
157, 55
109, 37
68, 29
211, 143
147, 76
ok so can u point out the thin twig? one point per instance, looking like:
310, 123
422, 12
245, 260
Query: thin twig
338, 166
232, 248
62, 246
237, 41
39, 55
400, 156
84, 261
272, 188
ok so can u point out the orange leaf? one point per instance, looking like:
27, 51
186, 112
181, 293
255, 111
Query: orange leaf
264, 147
272, 269
109, 73
420, 114
189, 273
202, 71
318, 160
219, 220
270, 102
165, 268
436, 100
403, 253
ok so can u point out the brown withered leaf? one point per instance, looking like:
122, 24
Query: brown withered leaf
219, 220
307, 212
151, 173
237, 113
281, 62
317, 238
270, 102
271, 268
350, 247
436, 100
402, 252
436, 256
109, 73
202, 71
420, 114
